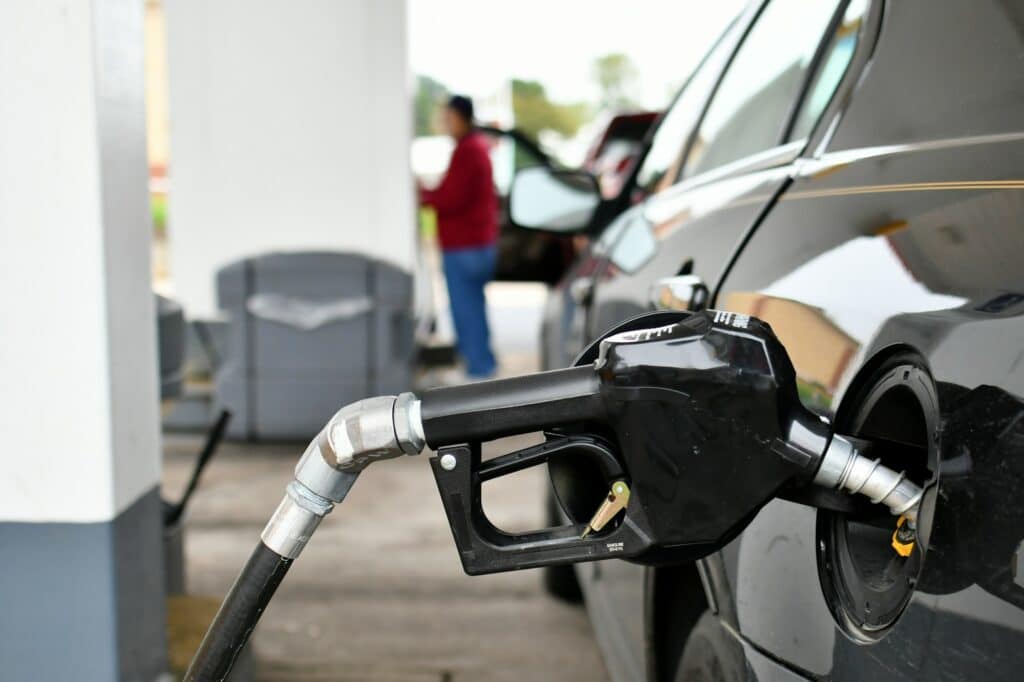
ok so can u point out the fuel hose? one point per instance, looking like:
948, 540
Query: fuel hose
238, 615
358, 434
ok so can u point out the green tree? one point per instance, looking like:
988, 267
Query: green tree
430, 94
534, 112
616, 75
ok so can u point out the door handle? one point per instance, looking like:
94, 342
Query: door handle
682, 292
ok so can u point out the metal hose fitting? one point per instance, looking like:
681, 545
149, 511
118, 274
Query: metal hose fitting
843, 468
355, 437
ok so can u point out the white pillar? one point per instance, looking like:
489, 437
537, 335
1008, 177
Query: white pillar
80, 461
290, 130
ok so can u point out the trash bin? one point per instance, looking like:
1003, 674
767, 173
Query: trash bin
170, 328
310, 332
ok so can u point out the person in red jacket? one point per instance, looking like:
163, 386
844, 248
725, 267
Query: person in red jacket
467, 222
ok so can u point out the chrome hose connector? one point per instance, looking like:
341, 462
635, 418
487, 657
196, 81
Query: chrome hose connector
298, 515
370, 430
843, 468
355, 437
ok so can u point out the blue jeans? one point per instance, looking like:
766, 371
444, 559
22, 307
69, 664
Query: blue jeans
466, 272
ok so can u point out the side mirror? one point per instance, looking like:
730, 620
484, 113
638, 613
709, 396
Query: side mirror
542, 198
629, 242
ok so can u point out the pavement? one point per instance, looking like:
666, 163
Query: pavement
379, 595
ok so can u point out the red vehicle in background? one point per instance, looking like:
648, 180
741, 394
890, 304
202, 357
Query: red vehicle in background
529, 255
616, 150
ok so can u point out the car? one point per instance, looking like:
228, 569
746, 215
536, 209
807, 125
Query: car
852, 173
531, 256
617, 148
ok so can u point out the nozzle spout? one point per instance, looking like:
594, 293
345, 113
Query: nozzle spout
844, 468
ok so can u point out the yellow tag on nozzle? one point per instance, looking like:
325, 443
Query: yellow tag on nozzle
903, 537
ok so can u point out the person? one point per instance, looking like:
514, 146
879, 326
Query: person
467, 221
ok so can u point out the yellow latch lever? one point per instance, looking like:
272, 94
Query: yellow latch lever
618, 498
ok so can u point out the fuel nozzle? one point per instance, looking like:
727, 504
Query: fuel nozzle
696, 415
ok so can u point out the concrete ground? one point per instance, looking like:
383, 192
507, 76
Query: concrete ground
379, 594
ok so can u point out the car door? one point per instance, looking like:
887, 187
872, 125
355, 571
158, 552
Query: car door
523, 255
565, 330
732, 168
891, 270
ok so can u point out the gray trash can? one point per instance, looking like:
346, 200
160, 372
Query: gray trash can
170, 330
310, 332
171, 346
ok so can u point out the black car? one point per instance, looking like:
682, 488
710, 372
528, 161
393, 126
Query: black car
851, 172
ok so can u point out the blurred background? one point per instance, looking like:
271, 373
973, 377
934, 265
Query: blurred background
272, 129
255, 165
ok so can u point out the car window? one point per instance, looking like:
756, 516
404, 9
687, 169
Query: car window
748, 111
833, 66
660, 167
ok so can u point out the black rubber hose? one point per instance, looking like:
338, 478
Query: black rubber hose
505, 407
172, 513
238, 615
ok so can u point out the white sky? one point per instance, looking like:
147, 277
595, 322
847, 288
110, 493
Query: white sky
474, 47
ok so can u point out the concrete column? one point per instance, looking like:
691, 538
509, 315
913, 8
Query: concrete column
290, 130
81, 595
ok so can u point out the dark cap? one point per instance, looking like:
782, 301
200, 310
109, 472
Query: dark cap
463, 106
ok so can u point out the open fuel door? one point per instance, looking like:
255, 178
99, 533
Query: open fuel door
527, 252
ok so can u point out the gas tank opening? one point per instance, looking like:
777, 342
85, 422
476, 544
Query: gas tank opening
867, 574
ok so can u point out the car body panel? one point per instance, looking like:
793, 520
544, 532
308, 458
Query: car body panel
874, 260
901, 226
907, 233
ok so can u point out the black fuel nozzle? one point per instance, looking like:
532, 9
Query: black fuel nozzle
695, 415
663, 442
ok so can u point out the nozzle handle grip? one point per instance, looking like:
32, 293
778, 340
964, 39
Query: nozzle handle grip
506, 407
